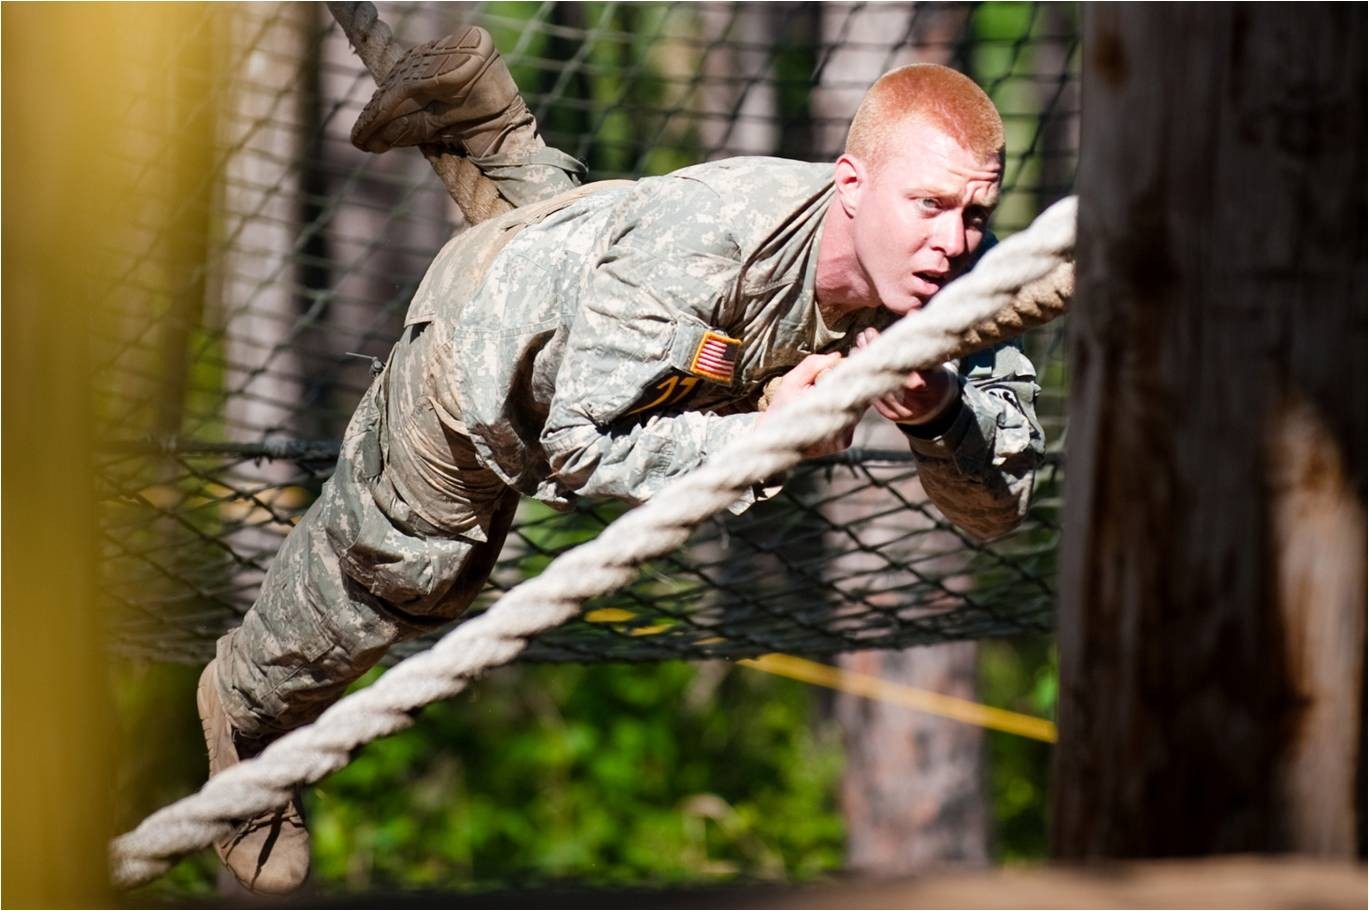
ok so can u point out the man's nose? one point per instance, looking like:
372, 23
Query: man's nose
949, 234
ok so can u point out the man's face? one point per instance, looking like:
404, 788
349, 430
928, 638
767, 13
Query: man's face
919, 214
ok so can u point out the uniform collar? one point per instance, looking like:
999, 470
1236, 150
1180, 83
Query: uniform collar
786, 262
832, 331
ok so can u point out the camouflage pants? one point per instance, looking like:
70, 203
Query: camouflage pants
401, 540
363, 569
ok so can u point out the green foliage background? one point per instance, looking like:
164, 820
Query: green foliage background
603, 774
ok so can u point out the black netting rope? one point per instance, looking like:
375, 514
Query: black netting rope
789, 575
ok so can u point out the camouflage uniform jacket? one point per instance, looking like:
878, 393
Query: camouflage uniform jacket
613, 345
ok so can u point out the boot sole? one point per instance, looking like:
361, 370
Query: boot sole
427, 74
435, 69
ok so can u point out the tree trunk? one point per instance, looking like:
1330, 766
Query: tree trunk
1212, 585
253, 301
737, 104
913, 789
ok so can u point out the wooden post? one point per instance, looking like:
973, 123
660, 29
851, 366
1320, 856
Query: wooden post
1213, 573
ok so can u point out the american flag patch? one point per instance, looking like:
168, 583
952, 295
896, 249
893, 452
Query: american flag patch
716, 357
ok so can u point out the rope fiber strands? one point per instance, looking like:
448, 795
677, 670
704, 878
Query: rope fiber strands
985, 302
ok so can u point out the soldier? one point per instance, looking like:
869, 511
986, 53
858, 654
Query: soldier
601, 340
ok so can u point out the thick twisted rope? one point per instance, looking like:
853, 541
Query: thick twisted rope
1035, 303
983, 302
374, 42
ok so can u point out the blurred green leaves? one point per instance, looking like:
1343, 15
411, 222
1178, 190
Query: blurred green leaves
1021, 675
601, 774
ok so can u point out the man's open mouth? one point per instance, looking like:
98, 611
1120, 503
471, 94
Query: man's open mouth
935, 279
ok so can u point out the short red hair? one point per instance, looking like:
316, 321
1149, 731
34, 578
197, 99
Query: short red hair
937, 95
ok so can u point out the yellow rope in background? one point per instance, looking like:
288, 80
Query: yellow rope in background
887, 691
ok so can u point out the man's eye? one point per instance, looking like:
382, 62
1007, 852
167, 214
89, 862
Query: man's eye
929, 203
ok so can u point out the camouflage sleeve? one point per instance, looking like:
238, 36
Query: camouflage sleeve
619, 423
979, 469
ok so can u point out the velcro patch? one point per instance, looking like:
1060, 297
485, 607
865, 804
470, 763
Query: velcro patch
715, 357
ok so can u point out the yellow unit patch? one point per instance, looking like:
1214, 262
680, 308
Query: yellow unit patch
716, 357
669, 392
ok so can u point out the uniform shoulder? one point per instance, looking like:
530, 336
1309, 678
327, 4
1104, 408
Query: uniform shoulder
754, 194
759, 178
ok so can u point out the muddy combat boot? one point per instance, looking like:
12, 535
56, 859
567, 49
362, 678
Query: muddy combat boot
269, 853
457, 91
453, 91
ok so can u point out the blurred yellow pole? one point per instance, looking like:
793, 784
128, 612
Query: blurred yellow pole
56, 776
69, 75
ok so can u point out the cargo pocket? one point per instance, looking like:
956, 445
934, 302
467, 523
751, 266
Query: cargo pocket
409, 571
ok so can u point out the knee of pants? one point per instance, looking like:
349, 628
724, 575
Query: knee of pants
402, 569
411, 573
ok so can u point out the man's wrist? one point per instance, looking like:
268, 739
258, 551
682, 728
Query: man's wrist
930, 430
943, 416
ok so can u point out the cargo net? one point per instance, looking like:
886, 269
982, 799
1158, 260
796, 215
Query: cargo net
289, 251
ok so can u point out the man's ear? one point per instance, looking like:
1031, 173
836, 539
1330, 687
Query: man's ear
851, 179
